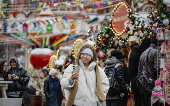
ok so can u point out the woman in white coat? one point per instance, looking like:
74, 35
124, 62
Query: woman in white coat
90, 85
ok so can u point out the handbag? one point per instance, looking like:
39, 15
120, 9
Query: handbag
130, 101
144, 80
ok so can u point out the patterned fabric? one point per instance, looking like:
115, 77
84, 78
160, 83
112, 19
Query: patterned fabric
158, 93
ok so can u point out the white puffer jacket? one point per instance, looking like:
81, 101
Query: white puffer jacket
86, 85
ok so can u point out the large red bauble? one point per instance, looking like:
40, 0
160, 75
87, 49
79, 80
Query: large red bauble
40, 57
101, 54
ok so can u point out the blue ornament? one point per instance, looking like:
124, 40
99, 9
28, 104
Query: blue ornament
155, 20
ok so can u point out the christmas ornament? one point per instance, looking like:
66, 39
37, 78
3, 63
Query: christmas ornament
101, 54
165, 21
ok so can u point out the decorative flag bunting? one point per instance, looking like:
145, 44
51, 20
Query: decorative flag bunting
38, 5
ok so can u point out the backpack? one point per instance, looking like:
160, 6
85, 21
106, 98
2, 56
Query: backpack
110, 72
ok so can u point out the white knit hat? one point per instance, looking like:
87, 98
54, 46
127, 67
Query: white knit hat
88, 51
53, 71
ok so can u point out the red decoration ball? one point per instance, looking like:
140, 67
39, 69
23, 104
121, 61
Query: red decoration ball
104, 40
101, 54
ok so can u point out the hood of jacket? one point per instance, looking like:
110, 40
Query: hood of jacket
86, 45
111, 61
19, 66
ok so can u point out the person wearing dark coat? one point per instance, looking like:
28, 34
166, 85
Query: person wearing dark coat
120, 98
150, 56
3, 73
52, 89
134, 58
3, 69
20, 78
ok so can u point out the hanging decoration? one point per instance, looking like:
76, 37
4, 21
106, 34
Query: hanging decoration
40, 57
17, 6
120, 19
82, 28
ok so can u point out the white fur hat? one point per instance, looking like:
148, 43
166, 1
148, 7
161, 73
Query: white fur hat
53, 71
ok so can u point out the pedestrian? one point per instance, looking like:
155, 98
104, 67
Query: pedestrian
52, 89
20, 78
150, 56
133, 68
3, 69
85, 82
117, 95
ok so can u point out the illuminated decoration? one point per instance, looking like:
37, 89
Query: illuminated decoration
77, 44
52, 60
120, 18
60, 40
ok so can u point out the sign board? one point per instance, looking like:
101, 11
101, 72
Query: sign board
120, 18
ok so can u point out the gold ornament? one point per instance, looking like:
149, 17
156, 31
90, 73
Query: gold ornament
150, 34
154, 25
131, 33
139, 27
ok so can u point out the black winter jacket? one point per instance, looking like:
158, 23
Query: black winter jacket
153, 61
120, 75
18, 85
134, 61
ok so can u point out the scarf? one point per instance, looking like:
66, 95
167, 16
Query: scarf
55, 85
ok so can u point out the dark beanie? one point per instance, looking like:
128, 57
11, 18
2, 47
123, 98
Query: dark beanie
145, 44
154, 40
117, 54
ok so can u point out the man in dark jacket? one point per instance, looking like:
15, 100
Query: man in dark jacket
52, 89
119, 98
151, 57
134, 58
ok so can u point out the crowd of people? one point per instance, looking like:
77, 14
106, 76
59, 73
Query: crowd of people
85, 83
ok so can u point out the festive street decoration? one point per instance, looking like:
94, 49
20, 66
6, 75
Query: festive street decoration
60, 40
77, 44
40, 57
120, 19
17, 6
82, 28
52, 61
